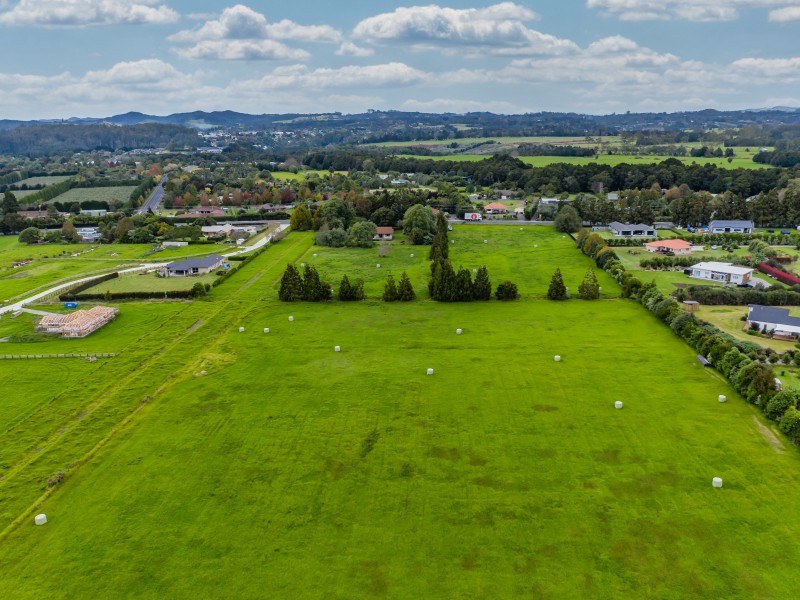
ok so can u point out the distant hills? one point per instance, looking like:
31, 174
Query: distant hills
225, 119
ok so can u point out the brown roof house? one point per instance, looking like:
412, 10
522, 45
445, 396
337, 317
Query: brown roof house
383, 233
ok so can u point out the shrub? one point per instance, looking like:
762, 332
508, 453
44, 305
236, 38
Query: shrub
507, 291
405, 291
780, 403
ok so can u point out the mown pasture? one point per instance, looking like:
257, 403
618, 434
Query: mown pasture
204, 461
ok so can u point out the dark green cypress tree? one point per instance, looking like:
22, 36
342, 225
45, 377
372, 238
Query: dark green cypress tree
405, 291
463, 286
291, 285
557, 289
390, 290
345, 289
482, 288
440, 248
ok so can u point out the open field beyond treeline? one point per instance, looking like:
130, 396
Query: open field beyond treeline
268, 465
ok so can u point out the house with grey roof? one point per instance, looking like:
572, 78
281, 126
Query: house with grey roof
628, 230
193, 266
772, 318
721, 226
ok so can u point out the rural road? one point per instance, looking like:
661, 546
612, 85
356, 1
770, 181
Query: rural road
57, 288
154, 200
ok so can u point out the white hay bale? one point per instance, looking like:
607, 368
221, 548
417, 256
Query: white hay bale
266, 329
458, 332
412, 256
520, 228
378, 266
557, 358
722, 398
452, 241
536, 245
430, 371
315, 256
717, 482
291, 319
485, 241
40, 519
337, 348
617, 404
302, 265
474, 270
241, 329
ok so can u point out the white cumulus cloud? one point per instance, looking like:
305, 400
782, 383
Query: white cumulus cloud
84, 13
500, 29
689, 10
241, 33
785, 15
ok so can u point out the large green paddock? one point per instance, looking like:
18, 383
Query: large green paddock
604, 159
205, 462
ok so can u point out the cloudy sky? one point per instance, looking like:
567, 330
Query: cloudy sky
64, 58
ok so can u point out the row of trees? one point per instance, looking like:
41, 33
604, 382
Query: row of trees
738, 361
309, 287
402, 291
589, 289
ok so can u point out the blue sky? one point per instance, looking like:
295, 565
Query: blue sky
66, 58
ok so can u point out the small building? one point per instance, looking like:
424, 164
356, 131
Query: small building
77, 324
89, 235
772, 318
496, 208
193, 266
721, 272
674, 246
719, 226
628, 230
691, 305
383, 233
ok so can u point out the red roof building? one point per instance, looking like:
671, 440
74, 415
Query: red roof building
383, 233
674, 246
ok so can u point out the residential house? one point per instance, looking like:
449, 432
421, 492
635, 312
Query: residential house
772, 318
721, 272
193, 266
496, 208
674, 246
383, 233
634, 230
720, 226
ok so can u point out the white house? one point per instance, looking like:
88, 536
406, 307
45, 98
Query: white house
719, 226
721, 272
383, 233
772, 318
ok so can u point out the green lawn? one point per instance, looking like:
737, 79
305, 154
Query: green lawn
728, 319
148, 282
289, 470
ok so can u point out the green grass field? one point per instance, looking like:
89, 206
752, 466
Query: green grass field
55, 263
141, 282
288, 470
42, 180
98, 194
604, 159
